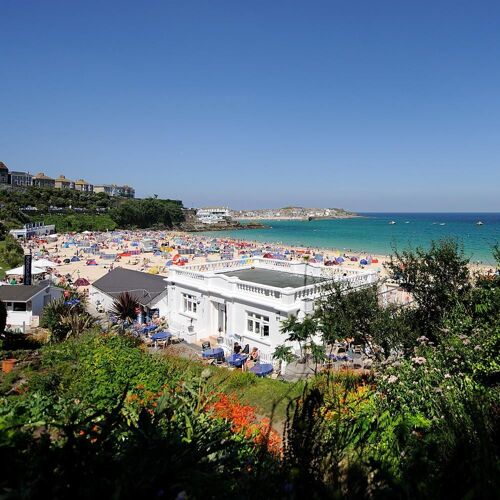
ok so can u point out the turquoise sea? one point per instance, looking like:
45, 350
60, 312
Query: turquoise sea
373, 234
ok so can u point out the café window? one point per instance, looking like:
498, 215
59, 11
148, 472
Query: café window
258, 324
190, 304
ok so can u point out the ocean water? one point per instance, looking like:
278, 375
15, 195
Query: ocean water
373, 234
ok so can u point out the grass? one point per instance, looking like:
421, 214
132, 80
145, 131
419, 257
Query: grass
270, 397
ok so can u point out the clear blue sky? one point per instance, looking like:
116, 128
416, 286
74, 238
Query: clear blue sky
369, 105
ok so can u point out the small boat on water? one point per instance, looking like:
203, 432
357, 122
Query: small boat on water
442, 224
392, 222
407, 222
479, 223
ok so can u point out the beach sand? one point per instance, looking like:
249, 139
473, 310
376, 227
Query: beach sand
148, 262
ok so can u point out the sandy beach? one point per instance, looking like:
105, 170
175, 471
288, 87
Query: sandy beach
91, 255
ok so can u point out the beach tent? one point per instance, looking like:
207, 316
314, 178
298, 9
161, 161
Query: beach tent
20, 271
153, 270
43, 263
91, 262
75, 259
168, 263
374, 261
363, 262
354, 259
340, 260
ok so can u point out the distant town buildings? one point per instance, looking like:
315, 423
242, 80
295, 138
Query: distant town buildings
292, 213
213, 215
15, 179
114, 190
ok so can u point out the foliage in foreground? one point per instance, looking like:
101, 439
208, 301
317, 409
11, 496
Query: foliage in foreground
103, 417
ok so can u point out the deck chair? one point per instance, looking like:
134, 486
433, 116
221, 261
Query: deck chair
246, 349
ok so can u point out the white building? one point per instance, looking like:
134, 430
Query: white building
213, 215
32, 230
246, 300
25, 303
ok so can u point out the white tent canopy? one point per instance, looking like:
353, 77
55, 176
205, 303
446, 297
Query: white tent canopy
43, 263
20, 271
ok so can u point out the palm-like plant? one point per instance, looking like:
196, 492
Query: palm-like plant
124, 307
77, 323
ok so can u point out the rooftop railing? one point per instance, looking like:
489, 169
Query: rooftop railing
213, 277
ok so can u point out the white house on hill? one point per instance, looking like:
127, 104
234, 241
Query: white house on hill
246, 300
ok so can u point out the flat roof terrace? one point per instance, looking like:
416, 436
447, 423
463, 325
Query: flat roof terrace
278, 279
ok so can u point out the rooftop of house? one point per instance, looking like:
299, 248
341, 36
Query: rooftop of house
19, 293
143, 287
63, 178
270, 277
41, 175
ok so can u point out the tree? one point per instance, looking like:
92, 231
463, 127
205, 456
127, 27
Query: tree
299, 331
437, 278
12, 252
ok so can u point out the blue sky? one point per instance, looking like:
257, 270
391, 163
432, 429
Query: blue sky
370, 105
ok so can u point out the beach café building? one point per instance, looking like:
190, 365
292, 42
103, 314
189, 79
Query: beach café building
150, 291
25, 303
246, 300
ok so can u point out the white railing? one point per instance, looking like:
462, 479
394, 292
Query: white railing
210, 273
267, 291
220, 265
346, 282
273, 263
190, 274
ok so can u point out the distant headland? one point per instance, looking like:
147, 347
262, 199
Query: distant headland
293, 213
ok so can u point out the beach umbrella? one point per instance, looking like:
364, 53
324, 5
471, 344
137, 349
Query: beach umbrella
91, 262
340, 260
153, 270
168, 263
82, 282
363, 262
374, 261
354, 259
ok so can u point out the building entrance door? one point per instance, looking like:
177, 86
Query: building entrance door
221, 319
